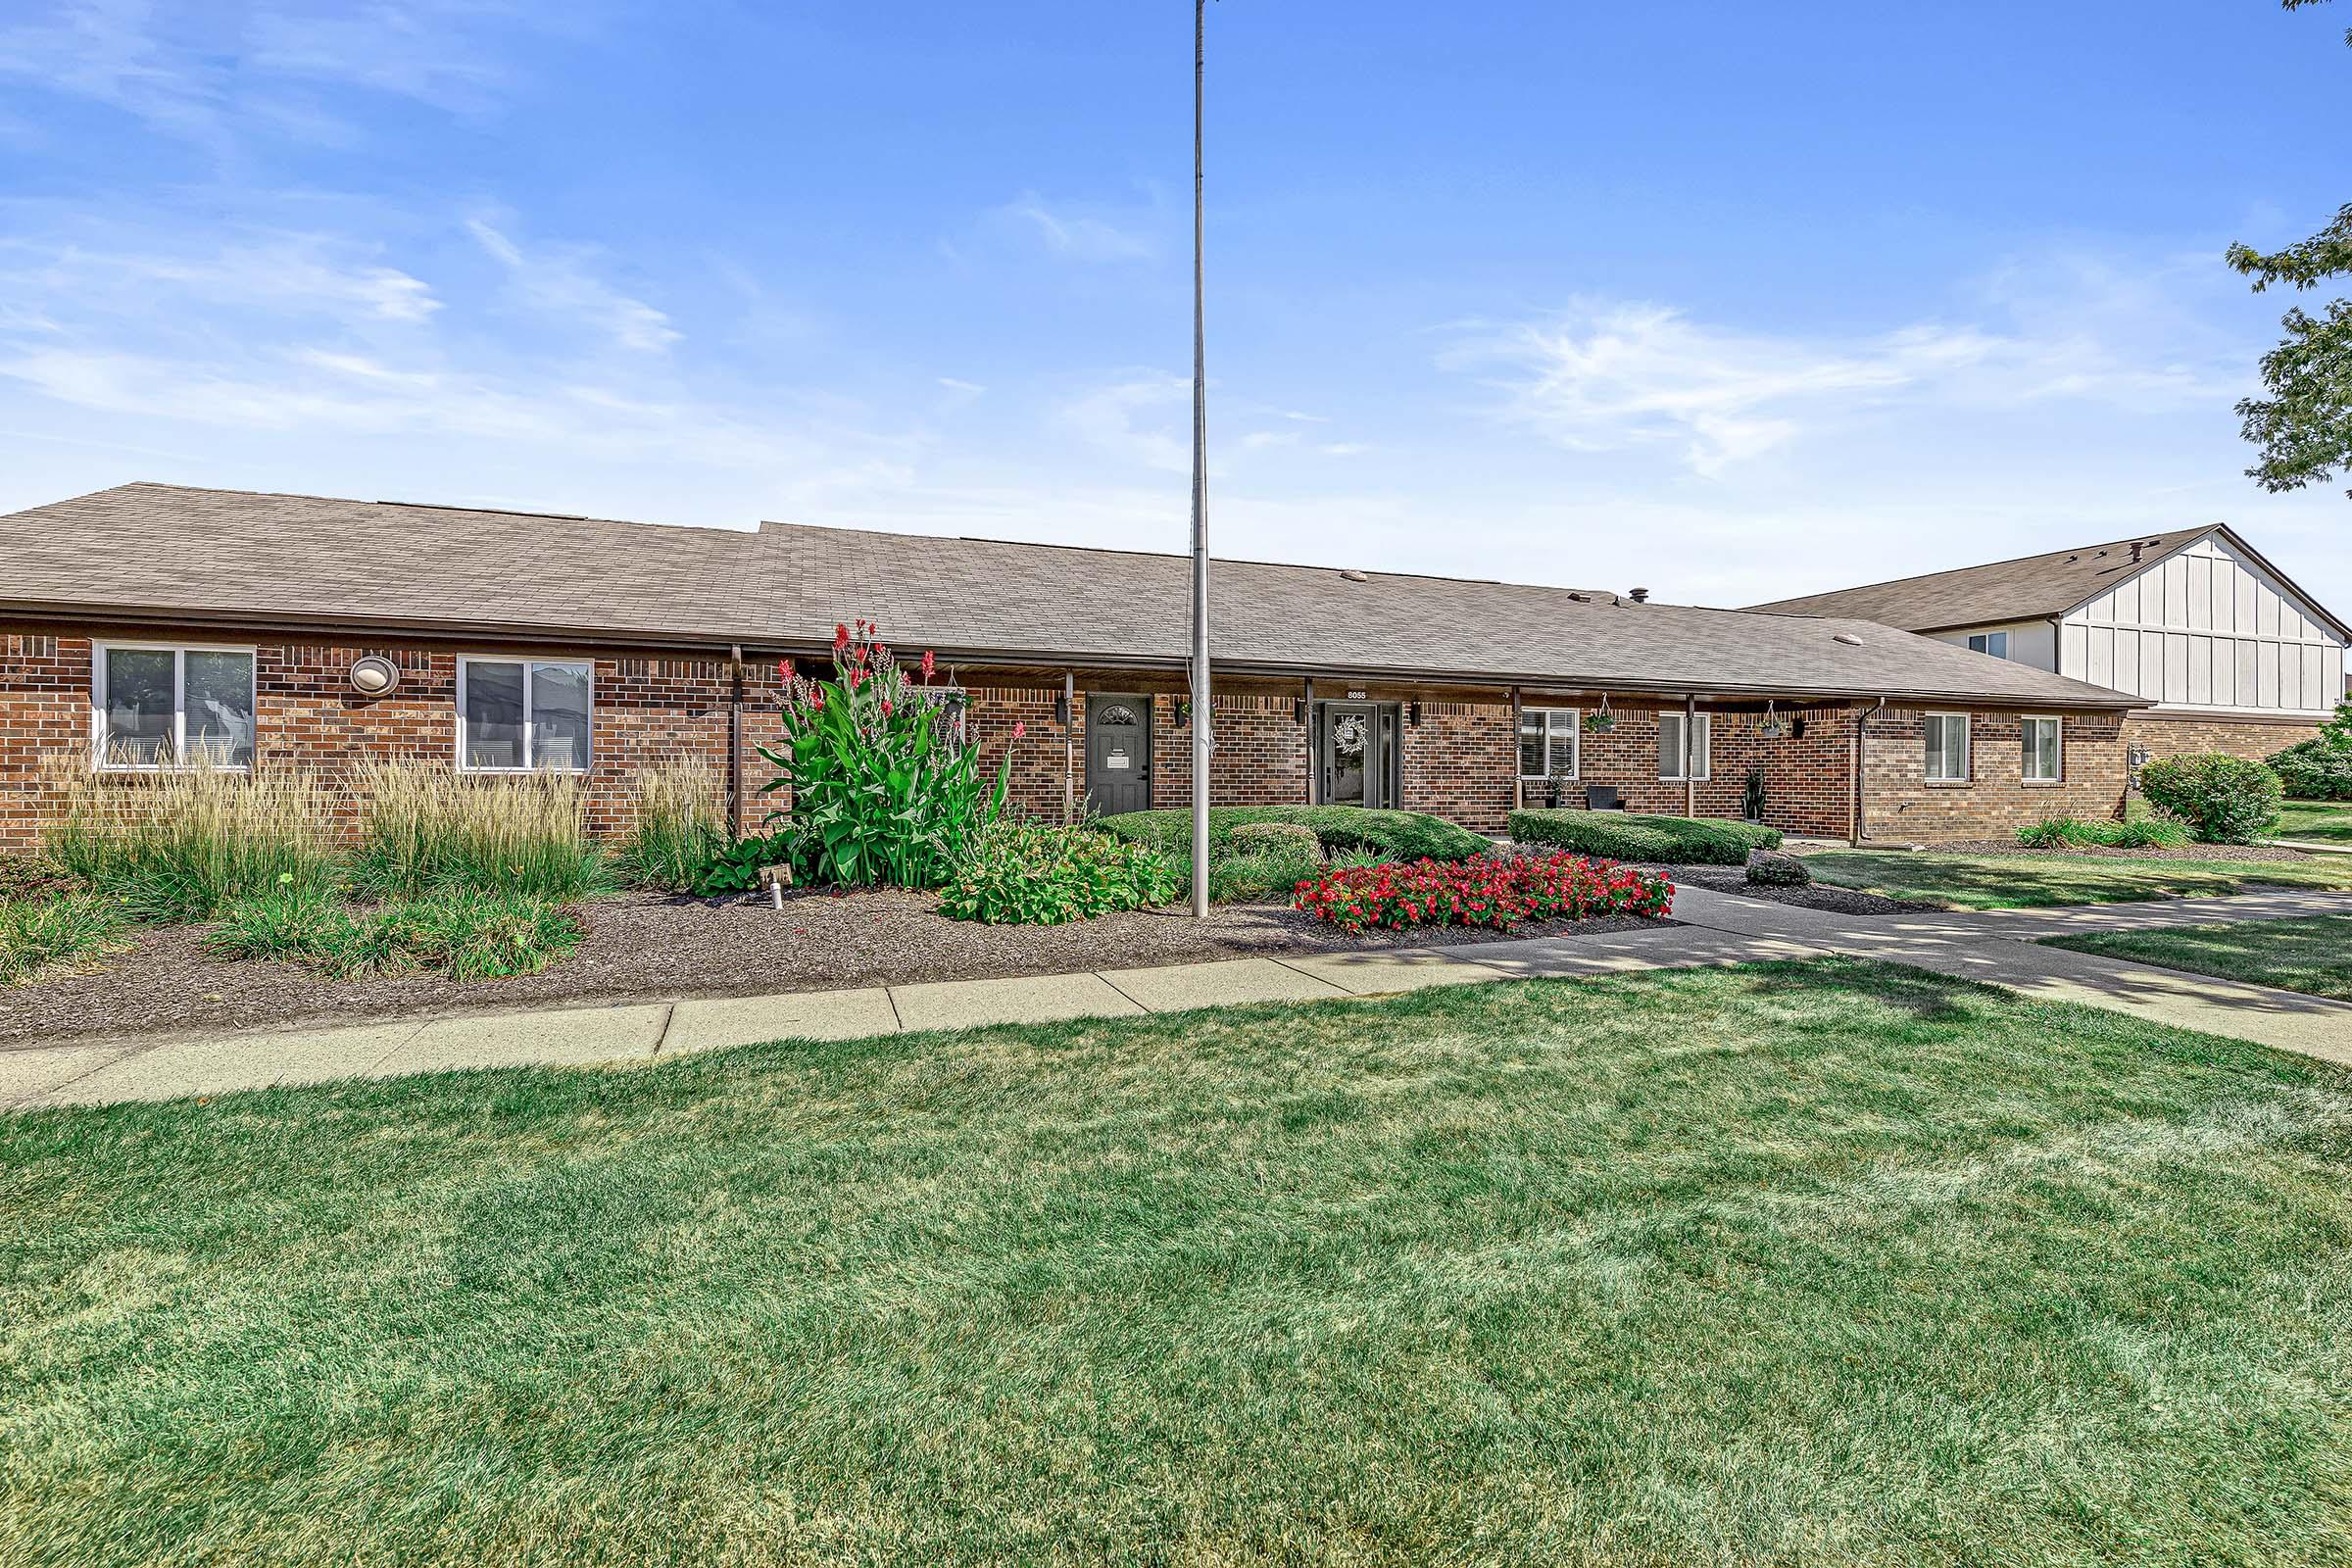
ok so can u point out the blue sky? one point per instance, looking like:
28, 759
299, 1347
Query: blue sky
1729, 301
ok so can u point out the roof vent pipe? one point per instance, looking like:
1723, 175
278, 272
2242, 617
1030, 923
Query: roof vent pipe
2137, 548
1640, 595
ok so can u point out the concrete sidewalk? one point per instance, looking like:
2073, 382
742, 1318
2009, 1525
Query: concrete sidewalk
1719, 929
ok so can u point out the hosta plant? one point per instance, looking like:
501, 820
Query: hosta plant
884, 783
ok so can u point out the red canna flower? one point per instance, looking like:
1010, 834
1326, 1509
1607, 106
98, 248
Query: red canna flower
1020, 728
784, 670
841, 636
930, 663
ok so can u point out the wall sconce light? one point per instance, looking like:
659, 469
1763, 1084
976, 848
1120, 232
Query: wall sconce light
1298, 710
1797, 727
1062, 711
1412, 714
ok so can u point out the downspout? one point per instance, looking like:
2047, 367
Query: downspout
1519, 768
1309, 741
1069, 743
1690, 783
1862, 773
735, 740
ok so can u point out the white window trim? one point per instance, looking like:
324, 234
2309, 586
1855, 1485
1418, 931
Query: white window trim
1700, 750
1968, 749
2059, 719
530, 740
99, 761
1575, 718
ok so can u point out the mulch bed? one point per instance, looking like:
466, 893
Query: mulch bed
645, 944
2096, 852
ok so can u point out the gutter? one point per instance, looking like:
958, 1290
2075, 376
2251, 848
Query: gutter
669, 643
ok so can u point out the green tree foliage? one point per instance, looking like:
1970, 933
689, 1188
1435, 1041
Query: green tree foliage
2304, 427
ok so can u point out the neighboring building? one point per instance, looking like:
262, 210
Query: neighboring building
147, 622
2223, 650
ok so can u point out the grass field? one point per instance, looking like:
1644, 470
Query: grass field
1819, 1263
2318, 821
2029, 881
2312, 955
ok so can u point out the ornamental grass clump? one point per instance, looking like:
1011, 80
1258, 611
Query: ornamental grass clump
424, 828
883, 775
1036, 873
465, 933
183, 842
37, 935
678, 825
1497, 891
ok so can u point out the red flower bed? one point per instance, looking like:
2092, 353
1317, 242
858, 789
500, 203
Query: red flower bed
1496, 891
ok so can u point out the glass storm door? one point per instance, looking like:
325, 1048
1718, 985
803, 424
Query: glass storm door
1118, 753
1355, 749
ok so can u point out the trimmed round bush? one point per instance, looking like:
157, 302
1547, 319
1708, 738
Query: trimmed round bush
2223, 798
2315, 771
1389, 835
1294, 837
1769, 868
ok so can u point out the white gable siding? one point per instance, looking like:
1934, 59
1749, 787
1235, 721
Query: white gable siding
2205, 627
2032, 643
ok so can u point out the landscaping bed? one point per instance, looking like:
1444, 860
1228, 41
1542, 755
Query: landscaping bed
640, 945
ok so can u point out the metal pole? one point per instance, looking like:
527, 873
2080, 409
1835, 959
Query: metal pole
1202, 742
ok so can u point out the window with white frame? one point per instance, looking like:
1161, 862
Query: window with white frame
1996, 643
1948, 747
154, 705
2044, 750
1670, 746
525, 715
1547, 741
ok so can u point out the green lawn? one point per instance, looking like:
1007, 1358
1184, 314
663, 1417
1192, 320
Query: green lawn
2022, 881
2313, 956
1818, 1263
2319, 822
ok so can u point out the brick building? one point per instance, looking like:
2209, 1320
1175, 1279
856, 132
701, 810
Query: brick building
143, 624
2225, 653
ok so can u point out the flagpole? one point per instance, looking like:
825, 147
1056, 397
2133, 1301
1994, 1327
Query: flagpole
1203, 741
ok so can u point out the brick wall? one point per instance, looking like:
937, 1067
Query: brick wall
1806, 778
1461, 762
648, 710
1260, 757
1901, 806
2170, 735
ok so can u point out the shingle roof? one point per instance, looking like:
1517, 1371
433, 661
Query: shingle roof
2031, 588
161, 552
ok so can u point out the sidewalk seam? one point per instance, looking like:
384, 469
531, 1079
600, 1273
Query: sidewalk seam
1114, 985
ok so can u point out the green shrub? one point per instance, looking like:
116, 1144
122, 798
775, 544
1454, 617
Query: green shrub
1035, 873
183, 844
2074, 833
2315, 771
1257, 838
884, 780
424, 828
2145, 833
1386, 835
676, 825
1632, 836
465, 933
1769, 868
37, 934
2223, 798
735, 867
475, 934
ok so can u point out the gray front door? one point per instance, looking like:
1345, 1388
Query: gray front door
1355, 754
1118, 753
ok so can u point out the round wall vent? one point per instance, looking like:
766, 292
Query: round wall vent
373, 675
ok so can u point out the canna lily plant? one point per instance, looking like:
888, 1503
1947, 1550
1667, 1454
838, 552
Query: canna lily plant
884, 784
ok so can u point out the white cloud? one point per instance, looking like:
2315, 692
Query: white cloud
1081, 236
1114, 418
559, 283
280, 273
1604, 376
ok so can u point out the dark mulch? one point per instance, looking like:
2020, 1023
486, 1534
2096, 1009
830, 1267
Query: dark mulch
644, 944
1838, 900
2096, 852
